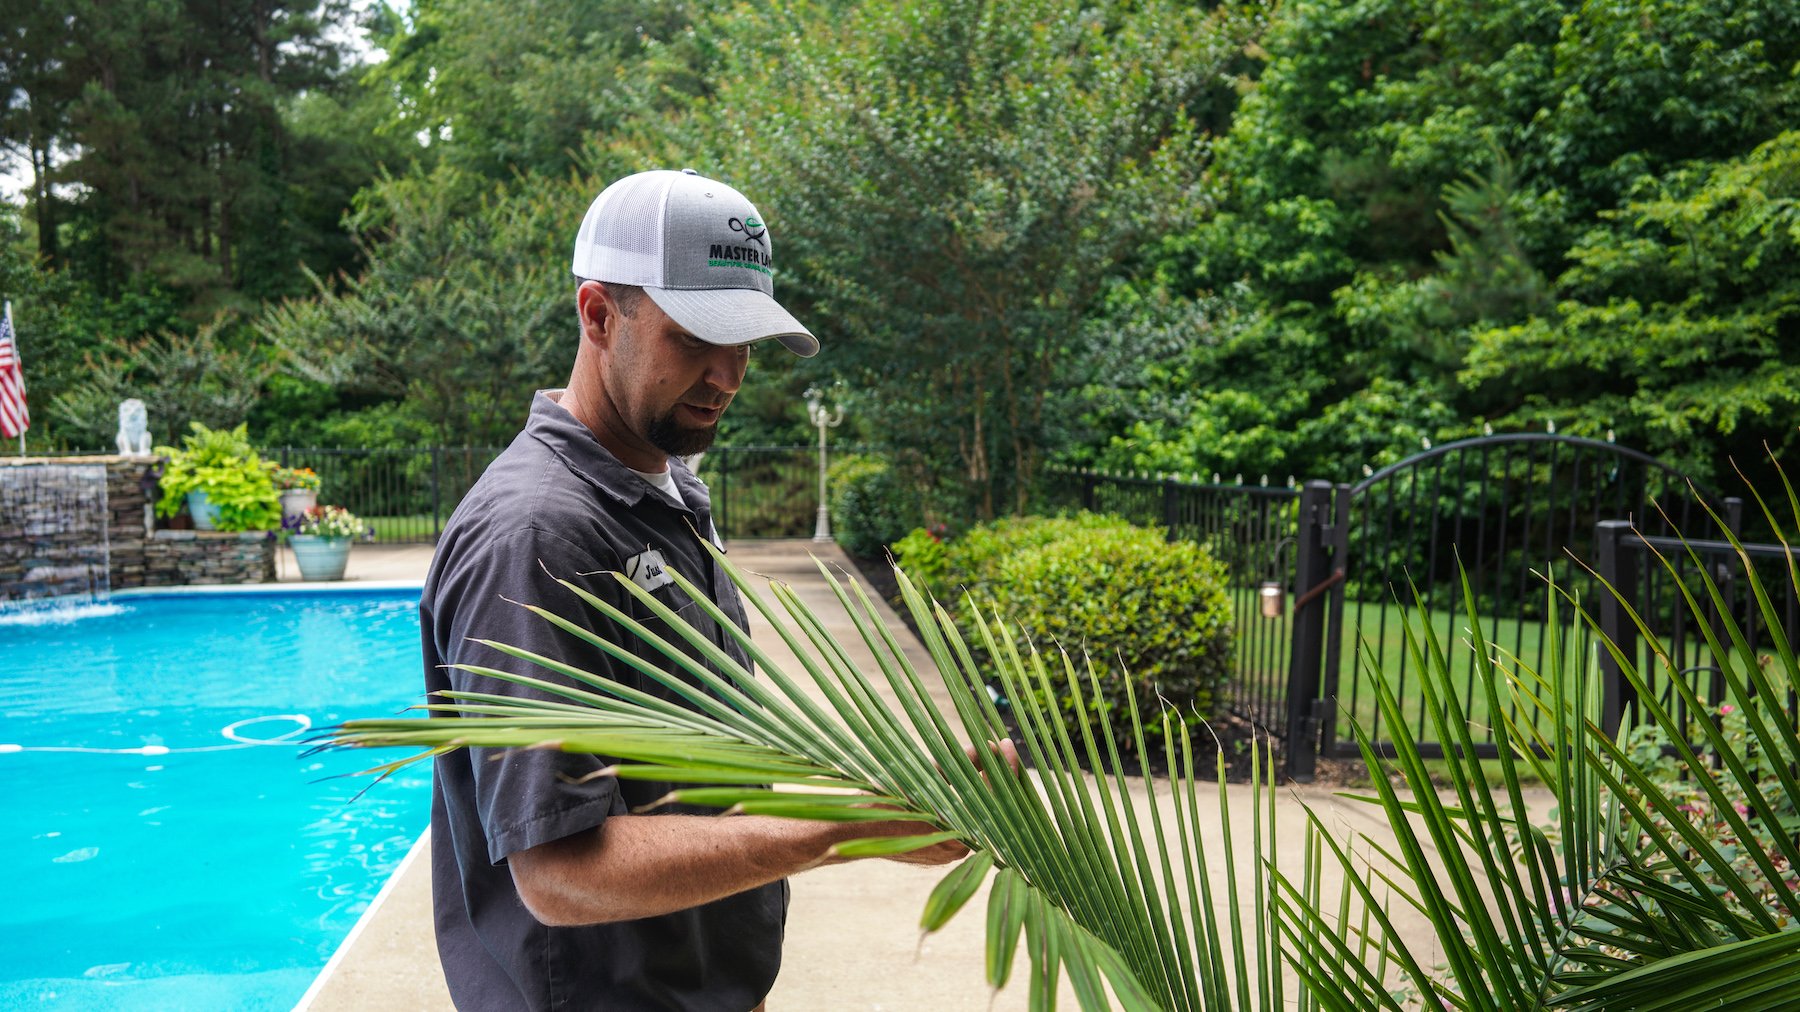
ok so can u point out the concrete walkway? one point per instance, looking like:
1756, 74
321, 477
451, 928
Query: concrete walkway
853, 940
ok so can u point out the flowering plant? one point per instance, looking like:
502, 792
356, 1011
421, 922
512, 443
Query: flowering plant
1701, 805
329, 522
287, 478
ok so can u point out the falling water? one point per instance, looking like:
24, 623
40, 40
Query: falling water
53, 532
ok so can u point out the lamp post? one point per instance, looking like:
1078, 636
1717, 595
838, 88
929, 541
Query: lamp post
825, 418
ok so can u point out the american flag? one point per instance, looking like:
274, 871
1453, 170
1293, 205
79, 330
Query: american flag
14, 418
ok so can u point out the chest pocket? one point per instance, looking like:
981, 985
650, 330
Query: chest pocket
685, 611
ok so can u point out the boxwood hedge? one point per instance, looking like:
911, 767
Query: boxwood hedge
1138, 604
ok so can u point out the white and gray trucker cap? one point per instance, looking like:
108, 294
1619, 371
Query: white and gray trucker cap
698, 248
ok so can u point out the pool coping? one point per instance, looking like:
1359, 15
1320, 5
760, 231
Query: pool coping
207, 589
420, 845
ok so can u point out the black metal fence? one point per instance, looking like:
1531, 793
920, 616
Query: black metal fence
1248, 528
764, 491
1662, 579
1514, 512
1305, 565
406, 495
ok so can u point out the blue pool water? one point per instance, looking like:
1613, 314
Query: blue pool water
156, 855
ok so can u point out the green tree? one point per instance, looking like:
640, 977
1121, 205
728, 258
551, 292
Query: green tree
35, 94
179, 143
1679, 321
210, 375
461, 313
1408, 177
953, 183
498, 87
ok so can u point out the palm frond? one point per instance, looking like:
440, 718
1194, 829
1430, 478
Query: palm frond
1593, 892
1624, 901
1104, 877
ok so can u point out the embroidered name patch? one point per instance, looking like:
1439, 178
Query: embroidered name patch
648, 570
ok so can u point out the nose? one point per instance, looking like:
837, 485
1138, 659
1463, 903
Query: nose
725, 366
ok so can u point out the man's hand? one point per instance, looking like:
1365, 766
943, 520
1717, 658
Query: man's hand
1004, 748
950, 850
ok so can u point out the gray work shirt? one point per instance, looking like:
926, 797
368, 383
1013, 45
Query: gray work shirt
556, 504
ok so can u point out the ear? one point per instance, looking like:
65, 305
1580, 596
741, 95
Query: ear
598, 312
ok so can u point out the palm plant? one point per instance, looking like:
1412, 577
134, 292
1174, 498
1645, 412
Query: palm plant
1618, 903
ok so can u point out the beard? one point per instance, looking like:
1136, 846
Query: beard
676, 441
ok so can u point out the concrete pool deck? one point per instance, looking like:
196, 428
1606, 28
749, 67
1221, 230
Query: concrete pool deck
853, 940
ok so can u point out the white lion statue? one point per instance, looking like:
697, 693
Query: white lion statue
134, 429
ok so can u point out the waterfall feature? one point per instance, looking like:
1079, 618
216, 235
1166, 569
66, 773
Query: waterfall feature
53, 531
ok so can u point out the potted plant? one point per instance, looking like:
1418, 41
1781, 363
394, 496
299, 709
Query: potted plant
321, 539
217, 475
298, 488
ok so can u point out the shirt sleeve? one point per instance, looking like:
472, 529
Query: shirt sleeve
526, 797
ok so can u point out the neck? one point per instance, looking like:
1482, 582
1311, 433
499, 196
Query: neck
586, 399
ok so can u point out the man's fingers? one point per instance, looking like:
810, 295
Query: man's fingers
1004, 748
1007, 750
941, 853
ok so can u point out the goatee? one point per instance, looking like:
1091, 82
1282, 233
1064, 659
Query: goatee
676, 441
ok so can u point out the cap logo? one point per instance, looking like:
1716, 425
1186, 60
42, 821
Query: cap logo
747, 256
753, 230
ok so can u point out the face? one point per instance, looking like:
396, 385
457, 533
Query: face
667, 388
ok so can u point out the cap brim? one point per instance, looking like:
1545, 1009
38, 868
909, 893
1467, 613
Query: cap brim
734, 316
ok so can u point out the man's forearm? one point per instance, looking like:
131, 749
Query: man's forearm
636, 866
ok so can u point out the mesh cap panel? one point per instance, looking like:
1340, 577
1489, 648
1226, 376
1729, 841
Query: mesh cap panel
698, 247
621, 239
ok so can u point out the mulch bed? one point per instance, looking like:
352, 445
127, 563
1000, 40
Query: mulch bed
1234, 733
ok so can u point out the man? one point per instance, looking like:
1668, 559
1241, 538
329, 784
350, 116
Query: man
550, 891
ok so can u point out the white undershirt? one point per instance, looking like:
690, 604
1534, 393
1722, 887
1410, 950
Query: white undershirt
663, 481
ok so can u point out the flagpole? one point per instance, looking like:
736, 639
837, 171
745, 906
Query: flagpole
20, 368
16, 358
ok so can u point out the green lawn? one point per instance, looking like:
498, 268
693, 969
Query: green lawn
1381, 643
401, 528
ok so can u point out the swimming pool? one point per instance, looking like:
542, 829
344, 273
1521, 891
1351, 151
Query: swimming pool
166, 844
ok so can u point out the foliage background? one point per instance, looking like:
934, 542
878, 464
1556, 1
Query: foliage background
1288, 239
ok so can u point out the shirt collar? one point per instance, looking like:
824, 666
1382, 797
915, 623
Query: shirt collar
574, 444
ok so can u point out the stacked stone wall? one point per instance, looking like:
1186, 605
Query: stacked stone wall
36, 548
179, 558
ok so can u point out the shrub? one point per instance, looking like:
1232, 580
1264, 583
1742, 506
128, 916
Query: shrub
1138, 605
973, 559
925, 556
1094, 584
1700, 806
871, 506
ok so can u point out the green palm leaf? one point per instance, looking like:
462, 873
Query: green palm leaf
1594, 892
1105, 878
1625, 901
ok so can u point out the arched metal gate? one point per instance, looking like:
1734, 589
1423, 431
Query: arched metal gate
1513, 512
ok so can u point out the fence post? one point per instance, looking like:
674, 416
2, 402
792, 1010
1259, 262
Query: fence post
437, 501
722, 515
1171, 508
1087, 491
1312, 573
1617, 564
